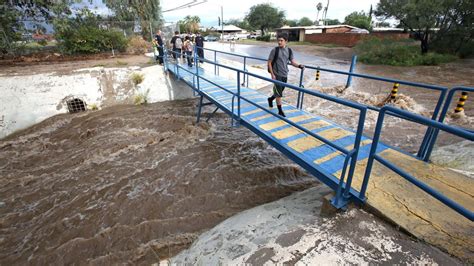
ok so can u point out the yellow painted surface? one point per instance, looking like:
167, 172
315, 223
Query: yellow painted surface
276, 124
270, 115
416, 211
235, 100
252, 112
292, 131
307, 143
337, 153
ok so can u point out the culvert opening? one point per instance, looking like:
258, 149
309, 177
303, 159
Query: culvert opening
76, 105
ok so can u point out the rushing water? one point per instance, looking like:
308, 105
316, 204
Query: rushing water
127, 183
132, 184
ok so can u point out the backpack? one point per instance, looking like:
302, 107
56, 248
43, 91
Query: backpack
275, 56
178, 43
188, 46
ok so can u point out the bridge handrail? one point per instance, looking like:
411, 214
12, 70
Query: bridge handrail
390, 110
428, 137
314, 93
360, 128
442, 116
342, 149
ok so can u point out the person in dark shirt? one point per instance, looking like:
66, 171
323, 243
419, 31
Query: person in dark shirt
177, 43
199, 41
159, 41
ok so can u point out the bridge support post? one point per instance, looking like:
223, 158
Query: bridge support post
299, 103
351, 70
199, 109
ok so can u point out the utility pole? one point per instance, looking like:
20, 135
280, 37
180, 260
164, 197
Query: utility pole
222, 23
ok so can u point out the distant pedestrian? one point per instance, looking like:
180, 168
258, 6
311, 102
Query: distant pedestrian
278, 61
177, 43
159, 42
188, 50
199, 40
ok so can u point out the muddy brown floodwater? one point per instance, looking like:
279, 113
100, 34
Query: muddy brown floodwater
130, 184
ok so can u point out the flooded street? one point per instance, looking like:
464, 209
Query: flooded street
136, 184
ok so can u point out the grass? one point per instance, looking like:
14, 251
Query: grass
141, 98
328, 45
99, 65
93, 107
401, 53
121, 63
137, 78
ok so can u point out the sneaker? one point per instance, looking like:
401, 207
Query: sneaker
270, 102
282, 114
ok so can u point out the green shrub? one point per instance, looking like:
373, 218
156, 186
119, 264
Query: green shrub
265, 38
397, 53
137, 78
84, 34
141, 98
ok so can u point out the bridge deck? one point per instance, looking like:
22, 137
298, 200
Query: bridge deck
391, 195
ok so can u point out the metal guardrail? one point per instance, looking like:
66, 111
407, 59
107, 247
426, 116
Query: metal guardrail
434, 135
390, 110
343, 189
428, 137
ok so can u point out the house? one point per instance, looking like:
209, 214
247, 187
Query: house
227, 29
298, 34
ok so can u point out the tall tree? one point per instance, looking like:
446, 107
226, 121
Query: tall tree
305, 21
190, 23
359, 20
291, 22
453, 18
143, 11
265, 17
332, 21
319, 7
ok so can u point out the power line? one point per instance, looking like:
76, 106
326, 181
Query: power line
187, 5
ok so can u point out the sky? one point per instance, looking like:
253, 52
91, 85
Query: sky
296, 9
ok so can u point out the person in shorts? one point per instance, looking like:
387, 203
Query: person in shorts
278, 61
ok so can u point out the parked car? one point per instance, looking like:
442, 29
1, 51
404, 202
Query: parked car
230, 37
252, 36
211, 38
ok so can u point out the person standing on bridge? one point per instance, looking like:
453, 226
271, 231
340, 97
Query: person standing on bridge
278, 61
177, 45
159, 42
199, 41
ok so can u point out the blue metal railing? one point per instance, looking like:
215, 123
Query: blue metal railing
343, 188
432, 139
428, 137
390, 110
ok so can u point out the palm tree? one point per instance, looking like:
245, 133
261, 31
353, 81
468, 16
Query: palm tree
191, 23
319, 7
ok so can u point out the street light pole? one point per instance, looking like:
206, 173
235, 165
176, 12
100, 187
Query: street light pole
222, 23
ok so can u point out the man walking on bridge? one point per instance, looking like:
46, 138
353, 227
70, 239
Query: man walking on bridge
278, 68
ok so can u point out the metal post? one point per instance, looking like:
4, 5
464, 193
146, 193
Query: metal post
238, 94
215, 62
372, 153
431, 134
199, 109
245, 63
298, 102
351, 70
